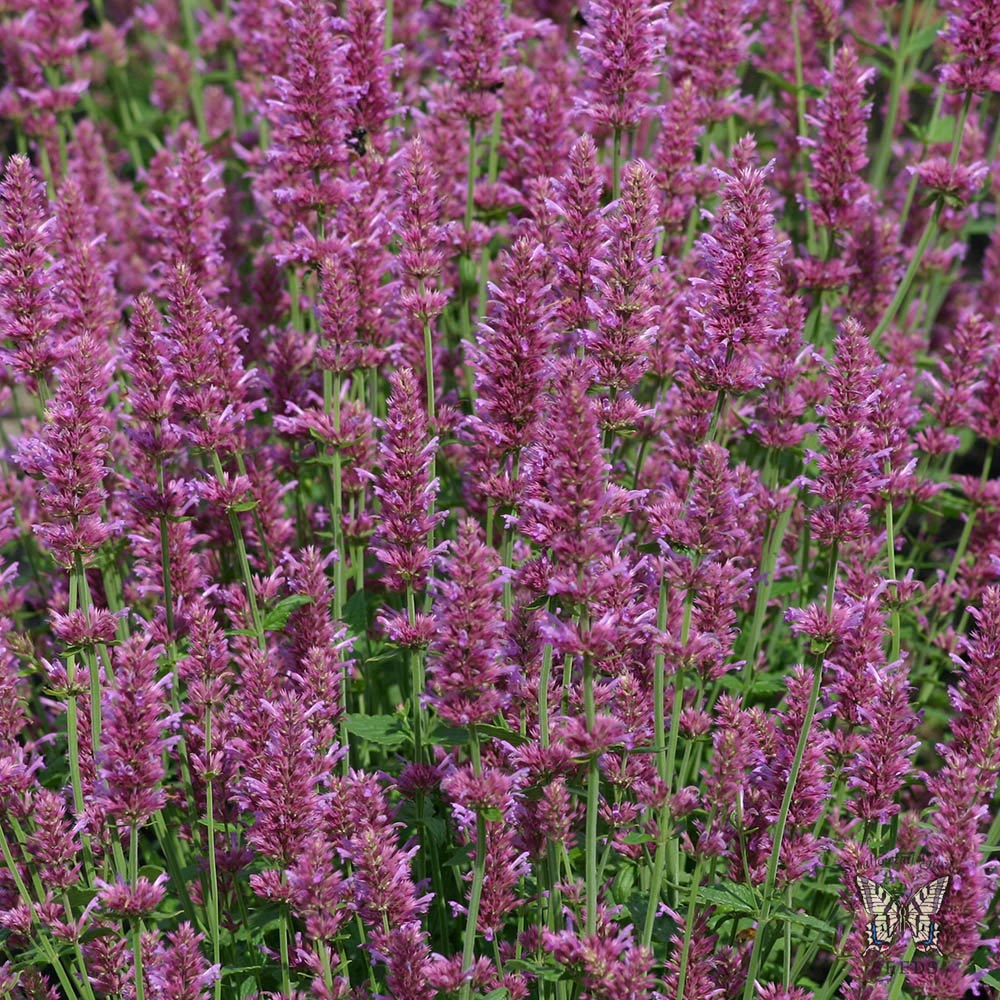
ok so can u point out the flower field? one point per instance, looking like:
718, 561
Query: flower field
498, 500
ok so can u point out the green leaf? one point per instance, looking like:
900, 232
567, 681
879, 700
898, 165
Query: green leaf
500, 993
277, 616
382, 730
623, 883
546, 971
355, 613
922, 39
243, 505
448, 736
639, 838
492, 814
805, 920
991, 980
730, 896
511, 736
939, 130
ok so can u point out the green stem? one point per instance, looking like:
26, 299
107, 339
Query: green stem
43, 938
800, 106
616, 164
664, 766
195, 91
890, 541
133, 872
929, 233
593, 799
884, 153
786, 800
543, 695
689, 918
416, 682
212, 904
478, 875
283, 935
94, 670
332, 388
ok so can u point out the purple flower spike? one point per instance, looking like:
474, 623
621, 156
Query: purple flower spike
478, 40
71, 456
623, 300
839, 157
973, 36
578, 194
27, 316
621, 46
737, 305
849, 467
130, 764
513, 344
309, 149
178, 970
464, 662
405, 488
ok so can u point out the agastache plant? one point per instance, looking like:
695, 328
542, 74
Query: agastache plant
499, 500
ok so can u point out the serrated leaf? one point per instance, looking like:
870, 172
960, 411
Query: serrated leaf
448, 736
501, 733
805, 920
355, 613
730, 896
624, 880
277, 616
941, 129
921, 40
382, 730
546, 971
639, 838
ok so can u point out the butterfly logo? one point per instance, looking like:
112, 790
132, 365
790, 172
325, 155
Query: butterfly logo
887, 917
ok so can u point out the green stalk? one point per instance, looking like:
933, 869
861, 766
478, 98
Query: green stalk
881, 165
478, 875
690, 915
593, 799
241, 553
465, 306
956, 559
416, 682
72, 720
616, 164
800, 105
664, 766
286, 979
929, 233
543, 695
43, 938
772, 547
83, 595
133, 874
332, 387
786, 800
890, 541
195, 92
213, 874
896, 986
